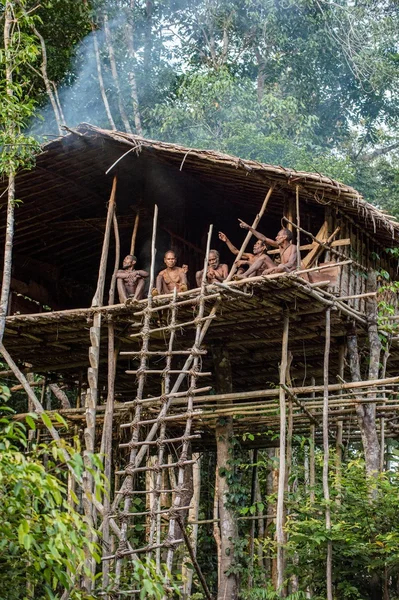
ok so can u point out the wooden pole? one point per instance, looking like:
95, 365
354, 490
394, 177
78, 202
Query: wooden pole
340, 428
36, 405
280, 537
194, 559
298, 232
134, 234
312, 464
326, 489
249, 234
92, 377
252, 531
106, 440
187, 574
98, 296
261, 522
216, 523
382, 421
111, 295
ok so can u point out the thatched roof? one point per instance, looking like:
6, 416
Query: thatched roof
240, 177
60, 223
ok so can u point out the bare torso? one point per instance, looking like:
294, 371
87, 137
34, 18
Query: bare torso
169, 279
218, 274
130, 283
287, 254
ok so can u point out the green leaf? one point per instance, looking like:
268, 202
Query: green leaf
46, 420
61, 420
30, 422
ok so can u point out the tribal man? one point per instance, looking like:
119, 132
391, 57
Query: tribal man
130, 282
216, 271
172, 277
247, 259
265, 265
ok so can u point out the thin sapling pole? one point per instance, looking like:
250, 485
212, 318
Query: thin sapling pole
280, 537
326, 489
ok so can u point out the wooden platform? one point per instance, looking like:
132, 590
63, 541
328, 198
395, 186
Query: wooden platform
248, 323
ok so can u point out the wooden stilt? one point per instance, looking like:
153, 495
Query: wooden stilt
187, 574
194, 559
312, 463
340, 427
253, 524
92, 376
280, 537
106, 441
298, 232
326, 451
382, 420
216, 521
134, 234
261, 522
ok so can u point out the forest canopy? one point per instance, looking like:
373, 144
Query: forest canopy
307, 84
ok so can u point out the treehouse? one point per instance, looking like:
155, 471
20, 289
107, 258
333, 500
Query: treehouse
152, 383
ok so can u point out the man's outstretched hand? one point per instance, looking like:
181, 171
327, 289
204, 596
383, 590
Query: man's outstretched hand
243, 224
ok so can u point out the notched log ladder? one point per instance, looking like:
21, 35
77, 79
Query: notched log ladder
149, 433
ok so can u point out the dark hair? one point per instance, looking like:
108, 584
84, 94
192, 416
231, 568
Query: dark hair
288, 233
170, 252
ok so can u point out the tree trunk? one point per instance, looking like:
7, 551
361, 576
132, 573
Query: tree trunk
147, 36
228, 584
131, 74
7, 264
100, 78
187, 574
365, 412
260, 80
115, 75
132, 80
374, 372
47, 83
216, 527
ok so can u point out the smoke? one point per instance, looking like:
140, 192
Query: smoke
80, 94
81, 100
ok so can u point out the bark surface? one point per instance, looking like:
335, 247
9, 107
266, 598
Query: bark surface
228, 584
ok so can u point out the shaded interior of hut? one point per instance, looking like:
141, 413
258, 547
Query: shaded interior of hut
60, 225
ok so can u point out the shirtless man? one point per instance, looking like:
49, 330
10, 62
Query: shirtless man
247, 258
172, 277
215, 272
265, 265
130, 282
